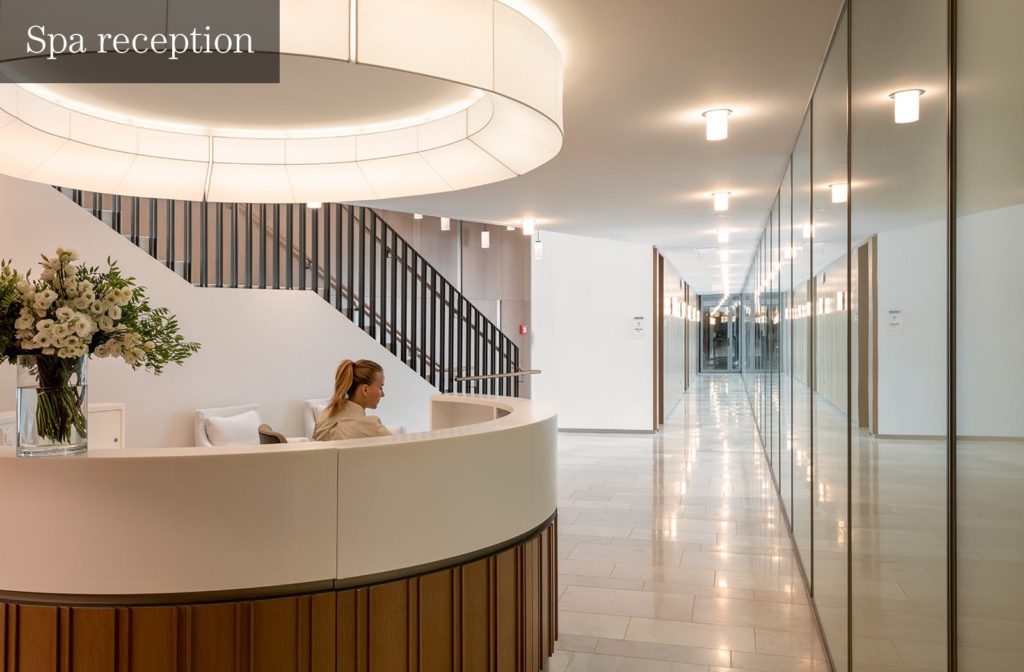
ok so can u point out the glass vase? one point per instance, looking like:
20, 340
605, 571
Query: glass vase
52, 412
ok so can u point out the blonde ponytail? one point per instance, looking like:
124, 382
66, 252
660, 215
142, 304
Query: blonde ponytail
347, 379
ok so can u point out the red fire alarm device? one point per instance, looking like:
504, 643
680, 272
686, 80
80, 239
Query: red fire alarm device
523, 330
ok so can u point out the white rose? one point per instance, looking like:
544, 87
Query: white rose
64, 313
24, 322
43, 340
60, 330
27, 344
45, 326
48, 351
106, 324
114, 312
149, 345
84, 327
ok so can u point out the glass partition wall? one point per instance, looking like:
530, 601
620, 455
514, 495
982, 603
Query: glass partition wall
888, 406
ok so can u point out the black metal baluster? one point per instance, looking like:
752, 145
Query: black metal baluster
350, 288
413, 305
339, 215
302, 247
170, 234
450, 386
423, 316
433, 326
187, 264
263, 246
248, 245
373, 272
289, 248
382, 303
219, 245
276, 252
328, 274
394, 292
234, 245
154, 228
405, 301
314, 243
115, 215
135, 214
204, 258
362, 268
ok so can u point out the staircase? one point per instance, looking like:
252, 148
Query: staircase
347, 254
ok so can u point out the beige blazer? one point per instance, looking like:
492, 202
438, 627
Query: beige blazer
351, 422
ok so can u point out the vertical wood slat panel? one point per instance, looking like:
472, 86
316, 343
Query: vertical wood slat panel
389, 627
38, 638
475, 612
494, 614
91, 636
275, 635
435, 617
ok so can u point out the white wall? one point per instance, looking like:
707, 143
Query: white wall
585, 294
990, 321
274, 348
912, 364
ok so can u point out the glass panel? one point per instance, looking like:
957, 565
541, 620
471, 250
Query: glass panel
989, 322
802, 486
898, 269
786, 344
830, 348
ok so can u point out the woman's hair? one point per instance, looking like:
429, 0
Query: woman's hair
347, 379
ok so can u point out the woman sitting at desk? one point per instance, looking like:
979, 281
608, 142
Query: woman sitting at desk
357, 387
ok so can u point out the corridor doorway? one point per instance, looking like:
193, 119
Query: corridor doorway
719, 333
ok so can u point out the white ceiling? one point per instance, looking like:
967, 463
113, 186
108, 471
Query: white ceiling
635, 165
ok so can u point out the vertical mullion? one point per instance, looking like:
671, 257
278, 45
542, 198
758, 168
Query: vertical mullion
134, 226
115, 215
170, 235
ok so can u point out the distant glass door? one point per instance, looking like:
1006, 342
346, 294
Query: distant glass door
719, 333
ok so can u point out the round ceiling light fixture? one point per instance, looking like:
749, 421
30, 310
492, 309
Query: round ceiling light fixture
450, 95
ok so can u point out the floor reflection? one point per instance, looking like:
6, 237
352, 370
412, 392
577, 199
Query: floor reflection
674, 554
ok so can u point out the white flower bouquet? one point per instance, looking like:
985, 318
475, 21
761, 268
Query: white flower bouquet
73, 311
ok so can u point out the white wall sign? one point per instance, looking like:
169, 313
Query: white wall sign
638, 327
894, 322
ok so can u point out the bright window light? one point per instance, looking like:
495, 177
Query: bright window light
908, 105
446, 224
528, 225
721, 200
723, 235
840, 192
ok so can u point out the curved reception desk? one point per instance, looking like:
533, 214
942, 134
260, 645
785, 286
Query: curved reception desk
427, 551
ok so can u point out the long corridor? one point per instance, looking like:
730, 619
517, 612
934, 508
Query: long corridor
673, 556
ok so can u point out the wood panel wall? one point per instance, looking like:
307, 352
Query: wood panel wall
495, 614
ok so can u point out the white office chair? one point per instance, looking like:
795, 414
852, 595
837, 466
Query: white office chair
203, 416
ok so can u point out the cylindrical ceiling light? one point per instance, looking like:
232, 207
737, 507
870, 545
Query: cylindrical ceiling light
840, 192
721, 200
717, 124
807, 230
446, 224
723, 235
538, 248
485, 238
908, 105
441, 119
314, 205
417, 215
528, 225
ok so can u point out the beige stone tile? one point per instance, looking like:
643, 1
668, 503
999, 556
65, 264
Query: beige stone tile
662, 556
592, 625
875, 651
922, 656
585, 599
671, 652
751, 613
585, 567
695, 589
787, 643
570, 642
761, 662
699, 576
587, 662
559, 661
691, 634
600, 582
